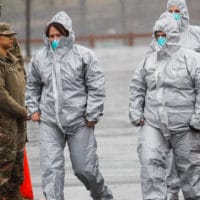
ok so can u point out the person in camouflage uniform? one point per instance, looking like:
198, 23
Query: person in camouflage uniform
12, 115
16, 50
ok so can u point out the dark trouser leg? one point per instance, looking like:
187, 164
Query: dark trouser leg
8, 152
17, 174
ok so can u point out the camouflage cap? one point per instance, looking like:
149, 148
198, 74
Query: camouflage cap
5, 29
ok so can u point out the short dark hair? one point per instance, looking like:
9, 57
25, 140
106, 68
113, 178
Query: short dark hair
58, 27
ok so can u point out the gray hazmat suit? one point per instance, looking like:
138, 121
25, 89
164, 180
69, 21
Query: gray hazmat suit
189, 34
189, 38
165, 92
67, 87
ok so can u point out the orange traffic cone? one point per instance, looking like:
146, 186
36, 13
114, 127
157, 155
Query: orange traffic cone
26, 187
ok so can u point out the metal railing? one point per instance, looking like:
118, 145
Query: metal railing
92, 39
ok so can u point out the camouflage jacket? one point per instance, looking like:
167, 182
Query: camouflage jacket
12, 87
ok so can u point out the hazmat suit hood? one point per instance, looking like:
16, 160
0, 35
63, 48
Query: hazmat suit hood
63, 19
182, 5
65, 85
168, 25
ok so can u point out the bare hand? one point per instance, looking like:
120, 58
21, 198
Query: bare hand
141, 123
90, 124
35, 117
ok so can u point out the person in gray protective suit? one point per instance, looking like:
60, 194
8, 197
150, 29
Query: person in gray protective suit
65, 93
189, 34
189, 38
165, 102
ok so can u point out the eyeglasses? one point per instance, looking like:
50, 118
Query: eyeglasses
57, 35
